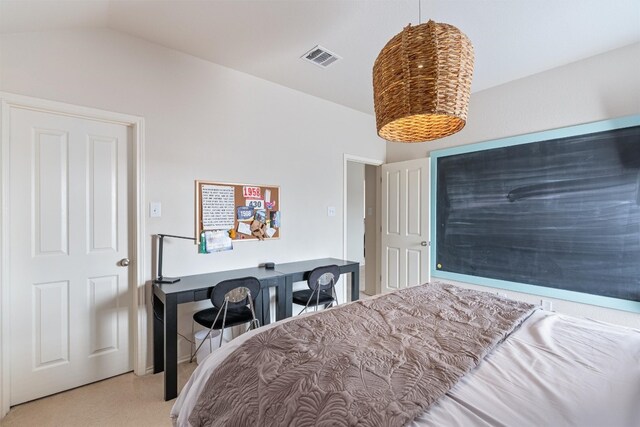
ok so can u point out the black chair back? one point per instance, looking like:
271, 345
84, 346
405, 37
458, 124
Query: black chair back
323, 278
240, 299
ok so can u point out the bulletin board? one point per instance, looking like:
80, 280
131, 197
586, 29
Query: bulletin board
245, 211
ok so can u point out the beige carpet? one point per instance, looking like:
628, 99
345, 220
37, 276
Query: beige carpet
125, 400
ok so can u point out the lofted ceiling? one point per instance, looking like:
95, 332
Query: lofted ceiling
265, 38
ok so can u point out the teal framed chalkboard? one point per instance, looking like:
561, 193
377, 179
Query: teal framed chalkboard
553, 213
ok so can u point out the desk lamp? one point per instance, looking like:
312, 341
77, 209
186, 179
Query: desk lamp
161, 278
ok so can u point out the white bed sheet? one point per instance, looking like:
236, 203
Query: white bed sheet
554, 370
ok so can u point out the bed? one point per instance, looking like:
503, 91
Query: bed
535, 368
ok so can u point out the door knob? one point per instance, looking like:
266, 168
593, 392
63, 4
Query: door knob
423, 243
124, 262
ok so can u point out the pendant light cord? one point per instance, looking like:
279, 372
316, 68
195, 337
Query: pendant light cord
419, 12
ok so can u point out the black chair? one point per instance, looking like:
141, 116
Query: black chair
235, 299
321, 290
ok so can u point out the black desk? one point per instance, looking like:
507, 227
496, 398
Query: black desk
166, 298
299, 270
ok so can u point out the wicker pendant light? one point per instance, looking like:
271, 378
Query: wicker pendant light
422, 82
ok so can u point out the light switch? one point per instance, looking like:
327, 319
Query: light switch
155, 210
331, 211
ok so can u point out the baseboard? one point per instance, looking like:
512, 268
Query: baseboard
184, 359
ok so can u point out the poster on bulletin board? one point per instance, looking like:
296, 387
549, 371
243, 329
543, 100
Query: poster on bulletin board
243, 211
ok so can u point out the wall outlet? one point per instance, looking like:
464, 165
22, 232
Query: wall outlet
155, 210
546, 305
331, 211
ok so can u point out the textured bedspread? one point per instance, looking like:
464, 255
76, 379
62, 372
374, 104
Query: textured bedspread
377, 362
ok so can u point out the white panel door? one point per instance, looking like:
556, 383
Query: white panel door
70, 297
405, 224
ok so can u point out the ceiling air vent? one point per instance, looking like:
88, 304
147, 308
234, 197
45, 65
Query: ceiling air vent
320, 57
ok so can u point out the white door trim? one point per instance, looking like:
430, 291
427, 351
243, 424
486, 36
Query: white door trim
136, 216
356, 159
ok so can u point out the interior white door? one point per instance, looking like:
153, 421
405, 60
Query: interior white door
405, 224
70, 294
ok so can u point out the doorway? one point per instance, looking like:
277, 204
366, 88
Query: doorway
362, 219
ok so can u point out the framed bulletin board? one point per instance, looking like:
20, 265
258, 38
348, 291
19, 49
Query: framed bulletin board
245, 211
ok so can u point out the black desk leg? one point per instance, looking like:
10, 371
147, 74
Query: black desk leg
355, 284
158, 335
281, 300
262, 309
170, 347
288, 297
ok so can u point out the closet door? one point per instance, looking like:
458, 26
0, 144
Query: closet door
69, 281
405, 224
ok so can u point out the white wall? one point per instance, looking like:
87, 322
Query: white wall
602, 87
204, 121
355, 211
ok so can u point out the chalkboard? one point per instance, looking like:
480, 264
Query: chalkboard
561, 213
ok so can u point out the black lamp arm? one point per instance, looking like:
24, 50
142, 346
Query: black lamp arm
175, 237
